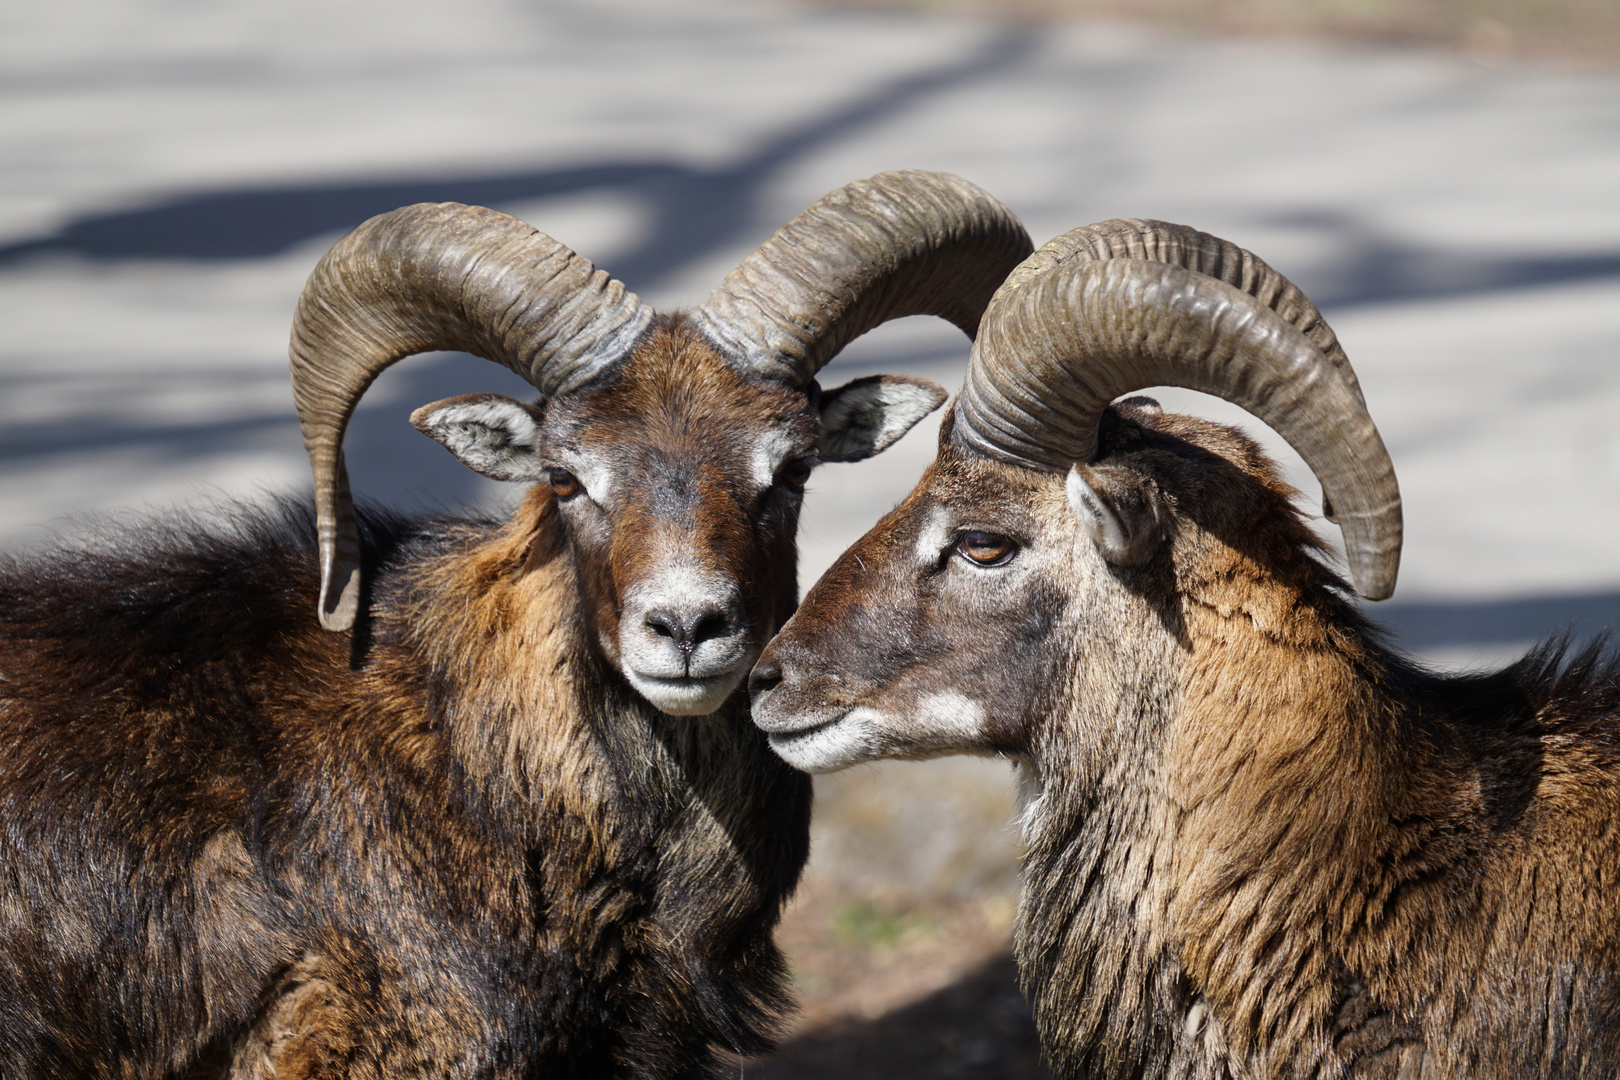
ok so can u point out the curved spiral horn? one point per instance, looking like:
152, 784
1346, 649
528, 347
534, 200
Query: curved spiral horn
427, 277
899, 243
1067, 334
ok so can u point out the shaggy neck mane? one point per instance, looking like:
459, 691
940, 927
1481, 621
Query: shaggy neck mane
651, 835
512, 671
1224, 872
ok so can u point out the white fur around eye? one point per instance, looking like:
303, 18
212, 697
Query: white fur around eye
935, 533
593, 474
769, 455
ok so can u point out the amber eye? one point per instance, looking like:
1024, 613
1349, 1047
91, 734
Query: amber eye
986, 548
796, 474
563, 483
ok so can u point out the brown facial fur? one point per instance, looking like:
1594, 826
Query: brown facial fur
677, 431
1260, 843
867, 626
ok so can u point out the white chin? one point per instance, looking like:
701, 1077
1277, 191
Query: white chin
685, 697
828, 748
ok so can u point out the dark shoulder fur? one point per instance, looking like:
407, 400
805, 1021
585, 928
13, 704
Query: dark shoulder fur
1573, 691
226, 832
205, 588
171, 568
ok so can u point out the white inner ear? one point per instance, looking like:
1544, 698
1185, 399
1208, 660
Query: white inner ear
866, 417
492, 435
1100, 522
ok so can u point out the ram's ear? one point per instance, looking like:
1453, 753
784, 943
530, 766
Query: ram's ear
868, 415
493, 435
1120, 509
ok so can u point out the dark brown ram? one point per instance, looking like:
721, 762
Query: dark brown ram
1260, 842
515, 821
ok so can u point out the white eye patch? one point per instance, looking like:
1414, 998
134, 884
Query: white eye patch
594, 474
935, 533
770, 454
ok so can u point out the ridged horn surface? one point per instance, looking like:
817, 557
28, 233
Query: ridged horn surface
1067, 334
1205, 253
896, 244
429, 277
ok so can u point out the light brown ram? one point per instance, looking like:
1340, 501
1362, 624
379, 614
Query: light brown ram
1260, 842
512, 820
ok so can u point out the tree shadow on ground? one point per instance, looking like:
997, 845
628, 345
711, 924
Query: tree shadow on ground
1371, 267
695, 211
978, 1028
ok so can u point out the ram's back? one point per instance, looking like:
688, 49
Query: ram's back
166, 707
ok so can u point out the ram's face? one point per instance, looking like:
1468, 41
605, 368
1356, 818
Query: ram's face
678, 484
936, 633
680, 487
995, 597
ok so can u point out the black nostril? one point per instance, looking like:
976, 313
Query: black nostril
710, 625
691, 630
765, 676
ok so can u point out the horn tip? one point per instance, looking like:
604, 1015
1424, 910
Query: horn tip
339, 616
1378, 590
1375, 581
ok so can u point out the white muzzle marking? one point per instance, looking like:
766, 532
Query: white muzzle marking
683, 640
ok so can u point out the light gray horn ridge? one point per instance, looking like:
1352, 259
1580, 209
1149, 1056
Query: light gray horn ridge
896, 244
1066, 335
1207, 254
1182, 245
429, 277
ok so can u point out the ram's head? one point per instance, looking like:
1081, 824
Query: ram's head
1061, 546
671, 451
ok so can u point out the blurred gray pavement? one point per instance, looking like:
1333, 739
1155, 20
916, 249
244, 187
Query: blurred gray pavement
171, 171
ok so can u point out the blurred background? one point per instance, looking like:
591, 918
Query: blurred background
1439, 176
